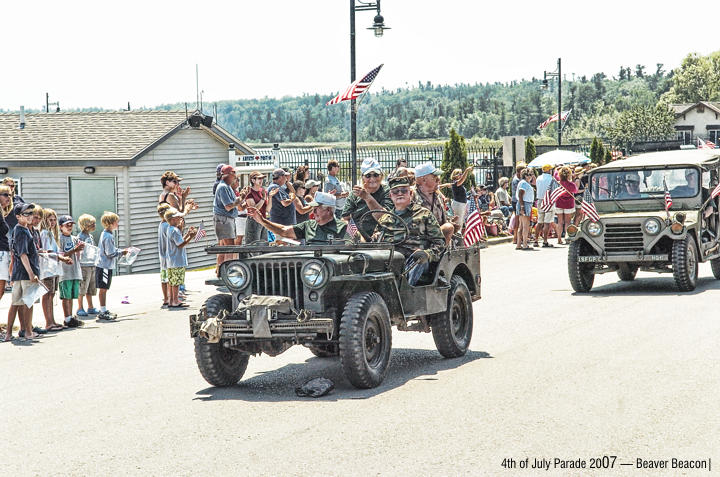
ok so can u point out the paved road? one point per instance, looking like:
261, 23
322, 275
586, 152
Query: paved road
630, 370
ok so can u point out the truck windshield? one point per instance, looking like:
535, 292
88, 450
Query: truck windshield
645, 183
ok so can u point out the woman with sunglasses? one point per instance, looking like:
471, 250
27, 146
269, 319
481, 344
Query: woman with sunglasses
10, 182
257, 198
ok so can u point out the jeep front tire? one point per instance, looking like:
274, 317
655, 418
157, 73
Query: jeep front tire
365, 340
581, 274
685, 263
220, 366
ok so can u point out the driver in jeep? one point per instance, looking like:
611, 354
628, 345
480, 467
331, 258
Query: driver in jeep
424, 243
319, 231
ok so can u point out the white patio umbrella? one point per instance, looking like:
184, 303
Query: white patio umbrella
559, 158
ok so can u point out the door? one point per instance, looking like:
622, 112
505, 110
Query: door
94, 196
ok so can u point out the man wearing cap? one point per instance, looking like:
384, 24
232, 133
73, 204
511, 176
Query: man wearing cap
372, 195
224, 212
333, 186
427, 177
425, 241
546, 220
321, 230
632, 186
282, 198
257, 197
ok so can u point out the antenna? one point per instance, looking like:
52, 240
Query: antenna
197, 88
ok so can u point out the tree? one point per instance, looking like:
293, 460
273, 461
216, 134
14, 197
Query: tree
597, 152
642, 123
455, 157
530, 151
697, 79
608, 156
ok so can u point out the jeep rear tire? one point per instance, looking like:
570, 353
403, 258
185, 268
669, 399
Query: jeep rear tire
581, 274
365, 340
627, 272
685, 264
324, 351
452, 329
220, 366
715, 265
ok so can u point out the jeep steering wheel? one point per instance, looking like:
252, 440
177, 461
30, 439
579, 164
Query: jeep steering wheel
391, 228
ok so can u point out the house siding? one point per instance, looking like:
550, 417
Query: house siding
193, 155
698, 121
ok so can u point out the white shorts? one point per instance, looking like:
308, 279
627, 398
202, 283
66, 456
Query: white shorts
546, 217
5, 266
458, 209
564, 211
240, 225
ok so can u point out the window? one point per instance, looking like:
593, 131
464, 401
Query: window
714, 135
684, 137
645, 184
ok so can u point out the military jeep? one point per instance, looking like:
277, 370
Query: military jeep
339, 299
635, 232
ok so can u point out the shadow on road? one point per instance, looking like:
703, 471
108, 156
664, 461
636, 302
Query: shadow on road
649, 287
279, 385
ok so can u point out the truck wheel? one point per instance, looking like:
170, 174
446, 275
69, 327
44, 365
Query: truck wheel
452, 329
581, 275
365, 340
627, 272
324, 351
685, 264
219, 366
715, 265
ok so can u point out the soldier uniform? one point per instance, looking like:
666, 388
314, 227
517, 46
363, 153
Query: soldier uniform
315, 234
424, 232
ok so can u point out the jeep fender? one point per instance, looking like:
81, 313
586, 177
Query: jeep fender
383, 284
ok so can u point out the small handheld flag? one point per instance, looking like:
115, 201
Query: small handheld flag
352, 229
668, 197
201, 232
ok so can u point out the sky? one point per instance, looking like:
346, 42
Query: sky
106, 54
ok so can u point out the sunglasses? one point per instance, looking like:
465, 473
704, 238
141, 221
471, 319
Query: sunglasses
399, 191
26, 214
5, 195
372, 175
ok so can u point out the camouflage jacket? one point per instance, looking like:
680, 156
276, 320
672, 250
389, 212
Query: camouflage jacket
424, 230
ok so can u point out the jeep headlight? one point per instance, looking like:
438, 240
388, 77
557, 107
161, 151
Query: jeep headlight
314, 274
652, 226
594, 228
236, 275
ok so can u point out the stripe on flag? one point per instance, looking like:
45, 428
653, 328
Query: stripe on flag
352, 229
201, 232
705, 144
668, 197
554, 118
473, 229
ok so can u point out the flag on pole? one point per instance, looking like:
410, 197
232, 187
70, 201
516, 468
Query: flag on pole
551, 196
356, 88
588, 207
201, 232
668, 197
705, 144
554, 118
473, 229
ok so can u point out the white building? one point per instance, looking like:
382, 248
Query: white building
79, 163
697, 120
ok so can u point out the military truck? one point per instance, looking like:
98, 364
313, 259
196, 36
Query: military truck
635, 232
339, 299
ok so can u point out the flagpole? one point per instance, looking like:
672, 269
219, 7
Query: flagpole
560, 121
353, 107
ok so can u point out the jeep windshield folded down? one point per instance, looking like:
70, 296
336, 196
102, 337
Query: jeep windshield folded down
337, 300
636, 232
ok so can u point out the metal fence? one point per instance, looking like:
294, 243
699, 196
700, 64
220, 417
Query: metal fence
488, 166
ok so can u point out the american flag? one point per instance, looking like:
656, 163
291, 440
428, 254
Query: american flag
352, 229
356, 88
668, 197
474, 228
705, 144
554, 118
588, 207
200, 233
551, 197
715, 192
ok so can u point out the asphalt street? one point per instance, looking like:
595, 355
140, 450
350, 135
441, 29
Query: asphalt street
630, 370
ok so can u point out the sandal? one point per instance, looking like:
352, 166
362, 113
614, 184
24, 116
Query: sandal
55, 327
181, 305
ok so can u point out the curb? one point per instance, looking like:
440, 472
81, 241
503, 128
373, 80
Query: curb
499, 240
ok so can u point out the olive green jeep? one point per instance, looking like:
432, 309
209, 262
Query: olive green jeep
635, 232
339, 299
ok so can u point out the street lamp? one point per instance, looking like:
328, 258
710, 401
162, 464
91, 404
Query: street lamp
378, 27
556, 74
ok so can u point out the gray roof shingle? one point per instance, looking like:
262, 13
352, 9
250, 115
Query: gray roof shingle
107, 137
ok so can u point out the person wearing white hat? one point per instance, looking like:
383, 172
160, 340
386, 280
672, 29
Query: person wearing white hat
427, 178
372, 195
323, 229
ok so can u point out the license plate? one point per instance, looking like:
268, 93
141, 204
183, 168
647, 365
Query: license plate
589, 259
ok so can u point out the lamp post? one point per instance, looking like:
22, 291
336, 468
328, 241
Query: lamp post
378, 27
556, 74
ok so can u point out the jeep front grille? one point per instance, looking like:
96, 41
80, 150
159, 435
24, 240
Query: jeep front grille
623, 238
278, 278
